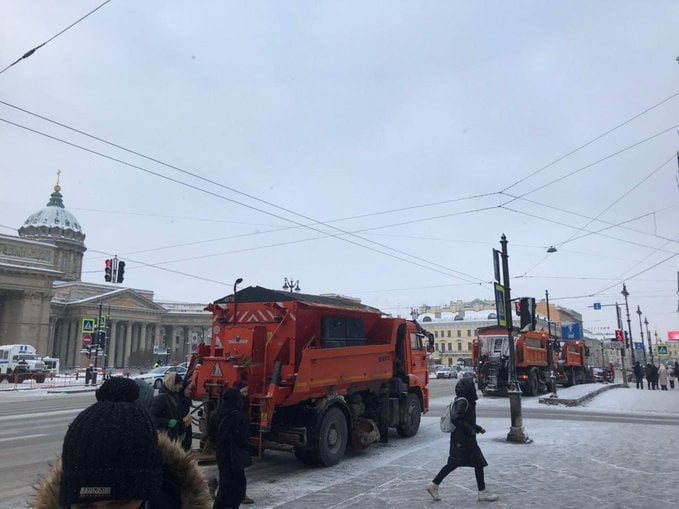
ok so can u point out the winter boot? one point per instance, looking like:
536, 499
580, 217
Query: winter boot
485, 496
433, 490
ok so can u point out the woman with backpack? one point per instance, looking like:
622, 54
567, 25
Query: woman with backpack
464, 450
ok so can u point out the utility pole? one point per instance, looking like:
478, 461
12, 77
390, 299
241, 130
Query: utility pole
516, 432
641, 330
650, 346
625, 293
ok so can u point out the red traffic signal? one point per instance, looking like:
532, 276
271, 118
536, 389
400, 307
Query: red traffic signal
619, 336
108, 270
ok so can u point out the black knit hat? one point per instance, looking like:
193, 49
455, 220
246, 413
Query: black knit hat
111, 450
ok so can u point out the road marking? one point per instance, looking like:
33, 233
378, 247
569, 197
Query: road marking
23, 437
41, 414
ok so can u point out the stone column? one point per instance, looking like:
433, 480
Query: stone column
128, 344
142, 332
112, 343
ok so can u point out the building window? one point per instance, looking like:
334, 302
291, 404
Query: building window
469, 347
450, 347
469, 333
459, 333
436, 334
448, 332
459, 346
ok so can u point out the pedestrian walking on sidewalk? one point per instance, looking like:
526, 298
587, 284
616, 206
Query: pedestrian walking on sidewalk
649, 375
464, 450
662, 377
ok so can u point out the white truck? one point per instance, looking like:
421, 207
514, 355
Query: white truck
21, 362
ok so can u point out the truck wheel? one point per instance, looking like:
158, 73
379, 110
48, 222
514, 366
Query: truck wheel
40, 379
411, 424
332, 437
532, 385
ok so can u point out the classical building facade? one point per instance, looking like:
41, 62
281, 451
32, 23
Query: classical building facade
43, 301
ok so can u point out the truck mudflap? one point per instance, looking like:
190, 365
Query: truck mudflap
364, 432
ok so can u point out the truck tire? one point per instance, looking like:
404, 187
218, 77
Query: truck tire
39, 379
332, 439
413, 414
531, 387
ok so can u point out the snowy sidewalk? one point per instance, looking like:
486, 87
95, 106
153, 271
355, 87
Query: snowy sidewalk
569, 464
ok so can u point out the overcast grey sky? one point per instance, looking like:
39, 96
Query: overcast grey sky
372, 149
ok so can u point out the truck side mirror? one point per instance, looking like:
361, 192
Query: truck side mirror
430, 343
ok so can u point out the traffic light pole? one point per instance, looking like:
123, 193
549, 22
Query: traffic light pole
516, 431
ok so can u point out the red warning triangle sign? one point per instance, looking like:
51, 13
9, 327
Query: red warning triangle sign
216, 370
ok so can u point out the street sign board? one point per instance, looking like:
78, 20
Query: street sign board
101, 322
88, 325
597, 305
496, 264
613, 345
662, 349
500, 305
638, 346
570, 331
87, 339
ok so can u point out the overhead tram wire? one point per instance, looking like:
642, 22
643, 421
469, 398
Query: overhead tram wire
635, 186
30, 52
199, 177
590, 142
293, 212
449, 273
629, 147
610, 225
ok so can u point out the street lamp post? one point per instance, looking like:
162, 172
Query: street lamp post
235, 301
622, 350
291, 286
641, 331
648, 335
516, 432
625, 293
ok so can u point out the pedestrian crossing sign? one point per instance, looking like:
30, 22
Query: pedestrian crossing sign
88, 325
662, 349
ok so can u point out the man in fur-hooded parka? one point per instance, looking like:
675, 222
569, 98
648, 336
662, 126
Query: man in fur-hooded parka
112, 452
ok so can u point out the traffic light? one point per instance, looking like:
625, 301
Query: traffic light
108, 270
121, 271
526, 313
618, 335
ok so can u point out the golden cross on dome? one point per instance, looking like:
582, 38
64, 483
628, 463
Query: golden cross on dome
57, 188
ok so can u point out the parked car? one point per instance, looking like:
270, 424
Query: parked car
466, 371
446, 373
156, 375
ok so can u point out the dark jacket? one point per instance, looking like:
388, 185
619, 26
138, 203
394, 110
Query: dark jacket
638, 370
166, 406
184, 486
464, 451
230, 431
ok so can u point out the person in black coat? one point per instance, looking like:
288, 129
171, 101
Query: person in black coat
229, 433
649, 375
464, 450
639, 375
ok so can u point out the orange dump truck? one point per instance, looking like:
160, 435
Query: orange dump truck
323, 373
490, 356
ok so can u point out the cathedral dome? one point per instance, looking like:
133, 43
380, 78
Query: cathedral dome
53, 221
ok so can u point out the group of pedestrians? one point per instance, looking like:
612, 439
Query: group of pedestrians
657, 375
129, 451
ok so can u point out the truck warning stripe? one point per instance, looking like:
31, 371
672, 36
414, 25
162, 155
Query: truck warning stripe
216, 370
